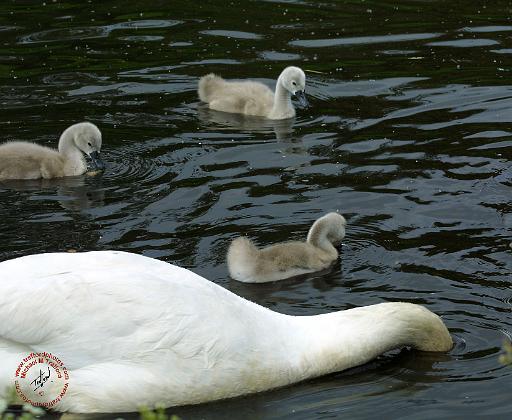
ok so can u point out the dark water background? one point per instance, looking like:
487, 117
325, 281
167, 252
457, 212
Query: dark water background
409, 135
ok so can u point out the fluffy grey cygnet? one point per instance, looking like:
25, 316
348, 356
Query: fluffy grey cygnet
254, 98
248, 264
25, 160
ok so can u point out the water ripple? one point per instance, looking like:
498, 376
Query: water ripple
232, 34
362, 40
464, 43
411, 142
90, 32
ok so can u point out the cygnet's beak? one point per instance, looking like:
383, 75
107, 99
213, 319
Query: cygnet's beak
96, 160
301, 96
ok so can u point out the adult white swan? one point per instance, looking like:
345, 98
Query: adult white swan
133, 330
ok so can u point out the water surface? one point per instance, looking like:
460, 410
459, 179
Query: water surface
408, 135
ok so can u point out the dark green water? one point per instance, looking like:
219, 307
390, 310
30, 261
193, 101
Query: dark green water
409, 135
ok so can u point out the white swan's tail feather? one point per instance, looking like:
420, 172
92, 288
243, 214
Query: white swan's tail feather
207, 84
241, 258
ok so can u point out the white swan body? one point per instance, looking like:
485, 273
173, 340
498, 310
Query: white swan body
24, 160
247, 263
254, 98
133, 330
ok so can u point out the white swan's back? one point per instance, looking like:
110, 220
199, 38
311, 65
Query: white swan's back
132, 330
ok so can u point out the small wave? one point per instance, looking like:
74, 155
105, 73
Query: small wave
232, 34
90, 32
464, 43
362, 40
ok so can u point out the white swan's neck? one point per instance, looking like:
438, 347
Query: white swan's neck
283, 107
288, 349
74, 159
341, 340
317, 236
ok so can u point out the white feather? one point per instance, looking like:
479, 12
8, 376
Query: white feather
133, 330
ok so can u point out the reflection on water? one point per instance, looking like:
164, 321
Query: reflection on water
282, 129
408, 135
72, 193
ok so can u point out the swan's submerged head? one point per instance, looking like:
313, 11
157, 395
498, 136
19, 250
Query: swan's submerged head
335, 225
293, 79
87, 138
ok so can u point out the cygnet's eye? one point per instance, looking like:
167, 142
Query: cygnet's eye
89, 144
294, 84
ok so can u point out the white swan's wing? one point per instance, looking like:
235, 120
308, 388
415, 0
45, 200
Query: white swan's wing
83, 304
117, 319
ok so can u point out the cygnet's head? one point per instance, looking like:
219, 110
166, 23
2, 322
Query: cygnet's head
336, 227
87, 138
293, 80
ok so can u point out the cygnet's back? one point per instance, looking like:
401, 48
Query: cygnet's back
249, 264
254, 98
23, 160
246, 97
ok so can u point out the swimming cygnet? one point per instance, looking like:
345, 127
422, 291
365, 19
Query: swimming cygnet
24, 160
254, 98
248, 264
